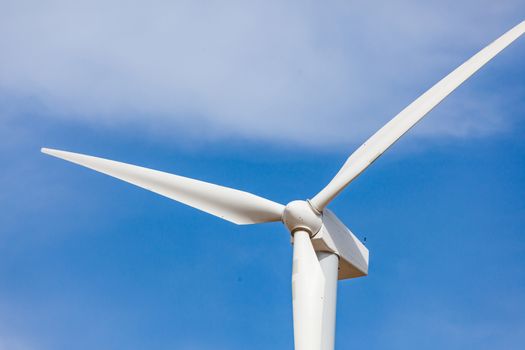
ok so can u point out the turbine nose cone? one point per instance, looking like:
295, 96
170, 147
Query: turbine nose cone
300, 215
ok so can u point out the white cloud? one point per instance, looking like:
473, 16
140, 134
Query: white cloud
305, 71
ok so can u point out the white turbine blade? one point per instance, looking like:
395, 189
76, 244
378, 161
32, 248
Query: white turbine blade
233, 205
308, 287
368, 152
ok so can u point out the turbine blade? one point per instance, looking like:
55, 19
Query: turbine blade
308, 287
374, 147
229, 204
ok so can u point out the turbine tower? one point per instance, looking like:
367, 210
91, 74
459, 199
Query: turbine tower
324, 249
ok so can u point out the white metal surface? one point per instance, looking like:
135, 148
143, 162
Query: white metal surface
407, 118
229, 204
336, 238
300, 215
308, 287
329, 265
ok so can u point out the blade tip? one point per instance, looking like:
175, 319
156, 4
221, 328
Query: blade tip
50, 151
47, 150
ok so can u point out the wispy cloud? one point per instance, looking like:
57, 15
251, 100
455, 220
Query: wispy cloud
306, 72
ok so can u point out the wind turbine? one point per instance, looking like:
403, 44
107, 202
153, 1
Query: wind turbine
324, 249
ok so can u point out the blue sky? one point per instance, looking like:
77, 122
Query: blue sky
268, 97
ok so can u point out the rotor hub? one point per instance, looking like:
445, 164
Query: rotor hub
299, 215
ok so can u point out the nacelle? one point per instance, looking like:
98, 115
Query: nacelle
335, 237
